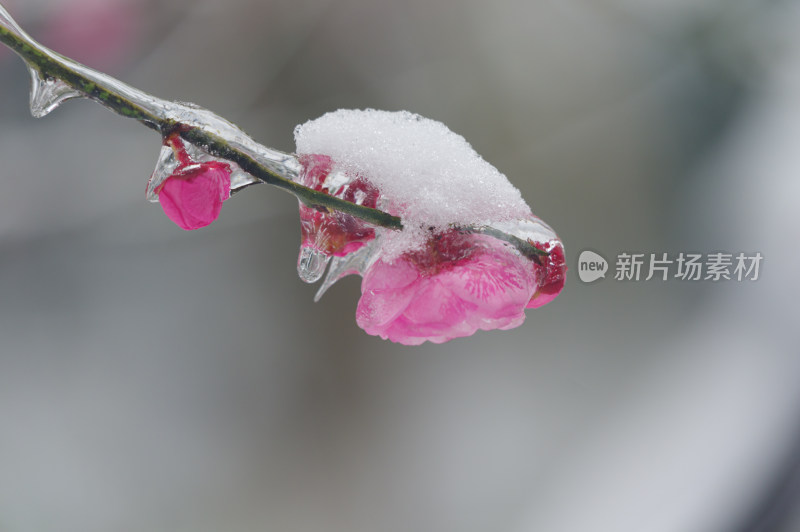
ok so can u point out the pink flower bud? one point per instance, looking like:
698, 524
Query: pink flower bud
192, 196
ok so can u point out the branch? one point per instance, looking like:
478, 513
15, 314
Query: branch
200, 127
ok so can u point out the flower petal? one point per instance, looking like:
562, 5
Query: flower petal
459, 285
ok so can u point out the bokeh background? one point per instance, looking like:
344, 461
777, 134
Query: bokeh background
154, 379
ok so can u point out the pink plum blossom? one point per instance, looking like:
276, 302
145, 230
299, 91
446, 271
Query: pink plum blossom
458, 284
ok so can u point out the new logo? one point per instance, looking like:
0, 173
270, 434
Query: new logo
591, 266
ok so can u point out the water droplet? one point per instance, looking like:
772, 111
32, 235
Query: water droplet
48, 93
311, 264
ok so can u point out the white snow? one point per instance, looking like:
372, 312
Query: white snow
428, 175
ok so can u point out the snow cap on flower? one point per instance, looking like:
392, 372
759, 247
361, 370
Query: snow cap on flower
426, 174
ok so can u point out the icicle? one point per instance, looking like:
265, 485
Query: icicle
311, 264
353, 263
48, 93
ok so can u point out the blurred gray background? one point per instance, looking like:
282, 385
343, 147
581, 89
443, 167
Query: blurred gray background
154, 379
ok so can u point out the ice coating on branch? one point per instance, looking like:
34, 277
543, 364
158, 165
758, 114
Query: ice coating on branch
167, 162
426, 174
9, 23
